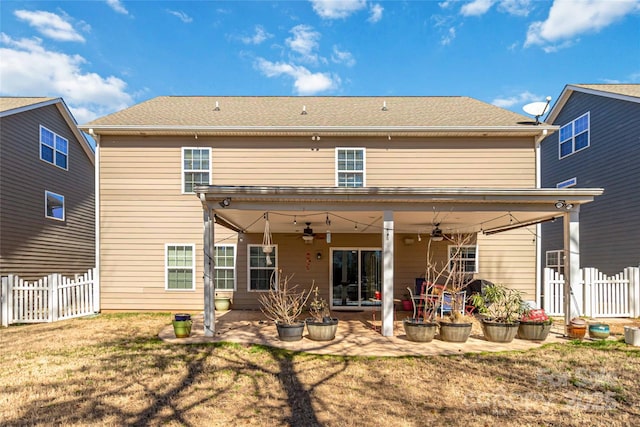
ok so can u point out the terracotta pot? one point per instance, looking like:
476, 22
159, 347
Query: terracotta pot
576, 331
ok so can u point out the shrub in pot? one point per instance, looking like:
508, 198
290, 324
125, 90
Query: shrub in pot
501, 309
534, 325
284, 304
321, 326
421, 327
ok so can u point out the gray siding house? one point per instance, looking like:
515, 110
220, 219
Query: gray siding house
597, 145
47, 209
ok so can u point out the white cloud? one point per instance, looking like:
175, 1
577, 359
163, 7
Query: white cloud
448, 37
480, 7
181, 15
258, 37
337, 9
476, 7
376, 13
28, 69
342, 57
305, 82
117, 6
304, 42
567, 19
50, 25
520, 98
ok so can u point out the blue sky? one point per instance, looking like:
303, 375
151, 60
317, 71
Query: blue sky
102, 56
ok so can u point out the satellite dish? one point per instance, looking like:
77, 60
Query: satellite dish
537, 109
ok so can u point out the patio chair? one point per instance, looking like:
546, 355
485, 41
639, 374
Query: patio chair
446, 303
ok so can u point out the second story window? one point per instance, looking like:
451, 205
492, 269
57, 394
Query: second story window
54, 149
196, 168
350, 167
574, 136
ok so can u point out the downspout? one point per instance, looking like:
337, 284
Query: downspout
96, 196
539, 283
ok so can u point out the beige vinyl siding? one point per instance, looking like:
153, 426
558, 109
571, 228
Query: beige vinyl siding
510, 258
30, 244
142, 207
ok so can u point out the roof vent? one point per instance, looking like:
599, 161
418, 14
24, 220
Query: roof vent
217, 107
304, 110
384, 105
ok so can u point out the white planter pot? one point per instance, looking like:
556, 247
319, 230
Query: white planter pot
632, 335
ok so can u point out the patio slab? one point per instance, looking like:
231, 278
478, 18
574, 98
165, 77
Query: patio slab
358, 335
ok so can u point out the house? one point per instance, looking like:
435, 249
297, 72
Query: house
344, 191
597, 145
46, 190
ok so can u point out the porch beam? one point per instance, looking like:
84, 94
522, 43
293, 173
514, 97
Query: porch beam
571, 223
387, 274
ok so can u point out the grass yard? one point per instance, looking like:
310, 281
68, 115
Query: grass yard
113, 370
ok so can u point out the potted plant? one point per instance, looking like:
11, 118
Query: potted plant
284, 304
456, 326
501, 308
406, 301
321, 326
534, 325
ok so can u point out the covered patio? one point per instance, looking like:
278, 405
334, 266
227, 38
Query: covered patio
385, 211
358, 335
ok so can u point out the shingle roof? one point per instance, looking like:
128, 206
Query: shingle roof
11, 103
620, 89
254, 111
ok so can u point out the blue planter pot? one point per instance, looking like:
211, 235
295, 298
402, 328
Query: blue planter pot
599, 331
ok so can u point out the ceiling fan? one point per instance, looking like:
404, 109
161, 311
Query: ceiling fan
308, 234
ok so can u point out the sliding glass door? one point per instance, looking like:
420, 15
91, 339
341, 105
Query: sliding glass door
356, 277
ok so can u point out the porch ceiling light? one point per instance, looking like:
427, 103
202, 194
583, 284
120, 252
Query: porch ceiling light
226, 202
561, 204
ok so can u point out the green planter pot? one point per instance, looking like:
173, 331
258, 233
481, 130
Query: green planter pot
599, 331
419, 331
222, 303
533, 331
455, 332
182, 328
499, 332
322, 331
291, 332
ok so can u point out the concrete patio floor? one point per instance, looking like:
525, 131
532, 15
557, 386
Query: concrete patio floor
358, 335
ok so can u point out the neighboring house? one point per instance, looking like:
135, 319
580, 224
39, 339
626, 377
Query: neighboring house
47, 221
598, 145
352, 188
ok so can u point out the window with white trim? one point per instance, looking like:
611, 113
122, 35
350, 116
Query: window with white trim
574, 136
466, 256
260, 271
53, 206
196, 168
350, 167
54, 149
224, 267
180, 266
555, 260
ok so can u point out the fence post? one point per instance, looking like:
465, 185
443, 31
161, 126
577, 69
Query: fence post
634, 291
4, 300
587, 276
53, 297
96, 290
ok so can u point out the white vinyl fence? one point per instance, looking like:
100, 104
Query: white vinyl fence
597, 295
49, 299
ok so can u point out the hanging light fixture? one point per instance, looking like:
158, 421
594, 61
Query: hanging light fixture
267, 242
436, 234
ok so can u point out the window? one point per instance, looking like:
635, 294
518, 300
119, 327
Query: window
180, 266
53, 206
568, 183
350, 166
259, 272
574, 136
224, 262
467, 258
555, 260
54, 149
196, 164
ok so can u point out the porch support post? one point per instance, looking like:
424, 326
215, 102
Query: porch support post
387, 275
209, 286
571, 225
